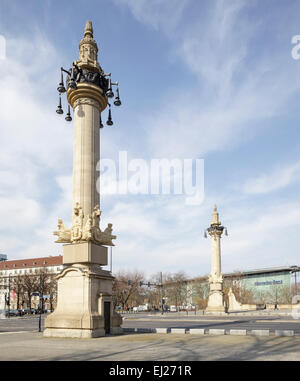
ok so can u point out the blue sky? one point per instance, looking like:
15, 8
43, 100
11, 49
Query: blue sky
205, 79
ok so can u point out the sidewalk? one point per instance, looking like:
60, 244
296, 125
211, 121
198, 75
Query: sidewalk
32, 346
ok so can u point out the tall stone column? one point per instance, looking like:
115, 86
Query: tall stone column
84, 299
86, 153
216, 301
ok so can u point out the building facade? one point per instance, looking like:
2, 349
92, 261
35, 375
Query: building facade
269, 285
22, 280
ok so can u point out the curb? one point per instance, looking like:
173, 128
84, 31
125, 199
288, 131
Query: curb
216, 331
161, 330
211, 332
284, 333
260, 332
238, 332
179, 330
197, 331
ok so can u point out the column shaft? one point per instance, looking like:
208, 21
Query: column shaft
215, 256
86, 156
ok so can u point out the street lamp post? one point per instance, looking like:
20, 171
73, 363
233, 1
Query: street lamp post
161, 291
40, 304
8, 297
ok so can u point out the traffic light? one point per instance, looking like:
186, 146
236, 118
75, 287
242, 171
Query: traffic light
141, 283
129, 282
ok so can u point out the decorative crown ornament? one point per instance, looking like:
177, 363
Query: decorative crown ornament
87, 70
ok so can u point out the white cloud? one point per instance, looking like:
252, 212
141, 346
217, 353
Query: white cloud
272, 181
19, 212
230, 99
156, 13
267, 240
35, 144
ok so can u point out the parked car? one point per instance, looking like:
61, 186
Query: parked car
11, 313
38, 311
20, 312
29, 311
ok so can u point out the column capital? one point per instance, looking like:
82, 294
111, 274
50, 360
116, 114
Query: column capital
87, 93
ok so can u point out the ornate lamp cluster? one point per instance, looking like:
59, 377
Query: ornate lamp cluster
214, 230
215, 227
76, 75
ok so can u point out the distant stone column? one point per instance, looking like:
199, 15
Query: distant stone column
216, 301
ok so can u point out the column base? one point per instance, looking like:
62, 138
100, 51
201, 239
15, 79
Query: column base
73, 333
216, 303
84, 302
80, 333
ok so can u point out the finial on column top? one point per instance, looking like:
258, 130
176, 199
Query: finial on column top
215, 217
88, 31
88, 49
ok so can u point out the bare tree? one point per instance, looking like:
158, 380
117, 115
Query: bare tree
17, 285
52, 291
280, 294
242, 294
201, 292
175, 287
29, 286
127, 291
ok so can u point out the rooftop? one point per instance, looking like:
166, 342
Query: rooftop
32, 262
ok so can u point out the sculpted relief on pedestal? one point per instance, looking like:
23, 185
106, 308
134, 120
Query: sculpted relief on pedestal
80, 232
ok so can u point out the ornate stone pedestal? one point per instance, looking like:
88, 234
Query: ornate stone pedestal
216, 298
84, 306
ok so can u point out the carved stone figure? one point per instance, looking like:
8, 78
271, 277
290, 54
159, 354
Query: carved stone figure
87, 231
64, 235
107, 237
96, 216
76, 230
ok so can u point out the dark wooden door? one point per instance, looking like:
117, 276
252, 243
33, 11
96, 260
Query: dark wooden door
107, 317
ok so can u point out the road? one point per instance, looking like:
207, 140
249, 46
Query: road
223, 322
31, 322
